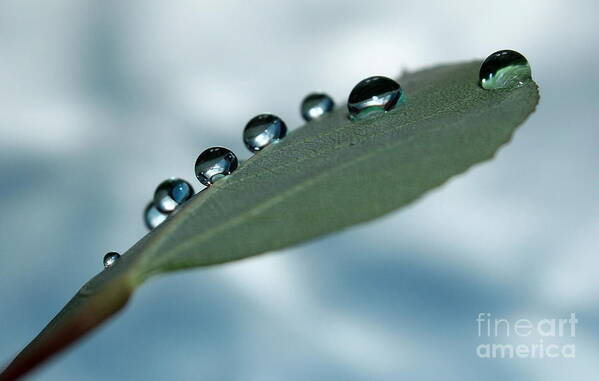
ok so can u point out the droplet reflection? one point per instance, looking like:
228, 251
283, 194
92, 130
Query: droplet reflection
153, 217
316, 105
215, 163
263, 130
503, 70
373, 97
171, 193
110, 259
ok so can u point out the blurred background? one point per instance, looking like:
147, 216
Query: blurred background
102, 100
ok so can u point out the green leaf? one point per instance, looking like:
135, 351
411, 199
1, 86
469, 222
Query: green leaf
327, 175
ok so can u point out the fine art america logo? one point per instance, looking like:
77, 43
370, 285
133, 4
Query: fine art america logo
526, 339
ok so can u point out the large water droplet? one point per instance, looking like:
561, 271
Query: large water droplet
372, 97
152, 216
316, 105
110, 259
504, 69
171, 193
214, 164
263, 130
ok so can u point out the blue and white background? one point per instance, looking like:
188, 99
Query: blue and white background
101, 100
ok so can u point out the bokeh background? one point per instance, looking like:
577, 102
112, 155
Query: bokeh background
101, 100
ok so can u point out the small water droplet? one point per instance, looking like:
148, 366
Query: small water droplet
152, 216
214, 164
316, 105
503, 70
263, 130
171, 193
110, 259
372, 97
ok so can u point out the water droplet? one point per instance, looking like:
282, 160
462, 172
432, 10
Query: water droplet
504, 69
214, 164
171, 193
110, 259
316, 105
152, 216
372, 97
263, 130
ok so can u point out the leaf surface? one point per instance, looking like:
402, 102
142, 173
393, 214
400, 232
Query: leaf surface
325, 176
